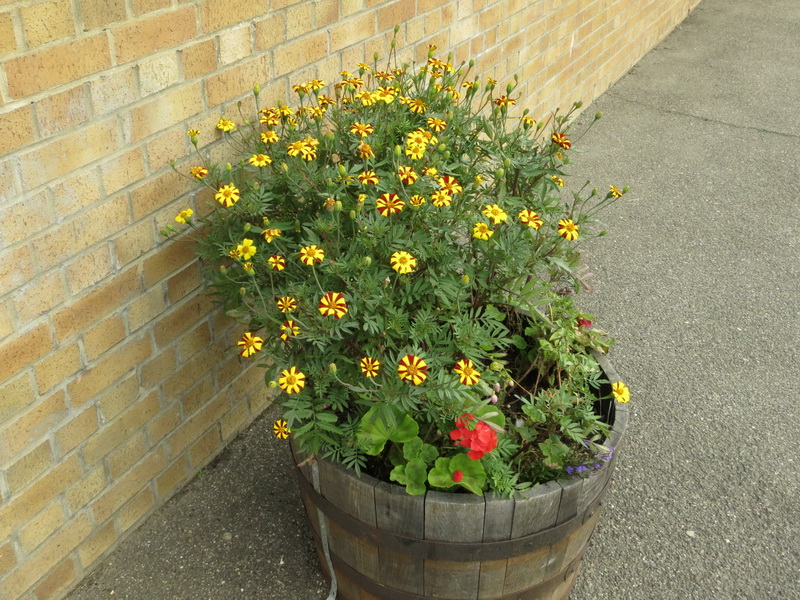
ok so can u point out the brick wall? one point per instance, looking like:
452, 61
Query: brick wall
117, 380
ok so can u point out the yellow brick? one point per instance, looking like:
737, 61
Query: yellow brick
23, 507
218, 14
299, 20
21, 351
8, 558
58, 64
104, 335
205, 448
62, 111
6, 322
233, 421
326, 12
42, 526
127, 487
352, 31
122, 171
176, 473
193, 428
120, 429
119, 397
180, 319
199, 393
193, 342
165, 148
234, 44
133, 242
88, 269
111, 91
238, 80
47, 22
396, 13
96, 13
78, 429
134, 510
158, 73
145, 308
29, 467
300, 53
69, 153
145, 37
97, 304
158, 368
39, 296
170, 258
46, 557
127, 455
75, 192
60, 579
166, 110
17, 128
24, 218
270, 32
88, 487
8, 42
198, 59
17, 394
112, 366
57, 367
97, 544
141, 7
163, 425
8, 178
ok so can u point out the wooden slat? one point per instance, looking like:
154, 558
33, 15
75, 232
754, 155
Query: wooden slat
354, 495
359, 555
498, 519
454, 517
536, 509
592, 487
492, 579
526, 571
459, 580
571, 491
400, 513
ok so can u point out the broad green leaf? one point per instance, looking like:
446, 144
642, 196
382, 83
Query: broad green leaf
383, 423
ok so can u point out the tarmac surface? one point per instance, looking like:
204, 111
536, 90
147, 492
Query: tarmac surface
699, 281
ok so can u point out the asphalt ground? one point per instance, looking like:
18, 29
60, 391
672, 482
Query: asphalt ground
697, 280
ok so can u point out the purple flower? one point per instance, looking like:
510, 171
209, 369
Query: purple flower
597, 466
569, 470
581, 469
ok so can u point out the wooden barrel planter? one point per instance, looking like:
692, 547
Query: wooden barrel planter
384, 544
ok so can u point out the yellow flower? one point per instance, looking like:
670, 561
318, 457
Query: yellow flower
561, 140
403, 262
495, 214
362, 129
193, 133
365, 151
365, 97
621, 392
183, 215
416, 200
504, 101
370, 366
558, 181
389, 204
333, 304
449, 185
277, 262
259, 160
281, 429
441, 198
415, 151
286, 304
481, 231
292, 381
386, 94
310, 255
228, 195
466, 371
528, 121
246, 249
429, 171
568, 229
269, 137
368, 178
530, 218
271, 234
250, 344
615, 192
225, 124
412, 369
417, 106
407, 175
289, 329
198, 172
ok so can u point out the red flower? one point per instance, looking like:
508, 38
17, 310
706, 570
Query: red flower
457, 476
480, 440
584, 323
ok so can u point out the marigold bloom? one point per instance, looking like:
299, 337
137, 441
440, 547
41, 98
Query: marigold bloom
366, 98
449, 185
286, 304
225, 124
370, 366
504, 101
436, 124
281, 429
412, 369
333, 304
305, 149
429, 171
368, 178
271, 234
495, 214
389, 204
528, 121
415, 151
193, 133
292, 381
481, 231
530, 218
384, 76
365, 151
441, 198
269, 137
466, 371
259, 160
386, 94
248, 268
289, 329
418, 106
621, 392
235, 253
250, 344
416, 200
285, 111
561, 140
403, 262
277, 262
183, 215
362, 129
198, 172
558, 181
568, 229
615, 191
228, 195
407, 175
246, 249
310, 255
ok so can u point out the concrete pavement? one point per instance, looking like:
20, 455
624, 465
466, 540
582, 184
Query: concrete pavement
698, 279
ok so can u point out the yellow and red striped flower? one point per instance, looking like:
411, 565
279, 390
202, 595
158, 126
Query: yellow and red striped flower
416, 200
259, 160
368, 178
558, 181
436, 124
407, 175
530, 218
269, 137
292, 381
370, 367
389, 204
289, 329
504, 101
286, 304
466, 371
227, 195
560, 139
568, 229
271, 234
417, 106
615, 192
449, 184
277, 262
281, 429
365, 151
333, 304
412, 369
198, 172
311, 255
362, 129
250, 344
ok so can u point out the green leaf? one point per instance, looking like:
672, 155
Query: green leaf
554, 451
413, 476
383, 423
472, 472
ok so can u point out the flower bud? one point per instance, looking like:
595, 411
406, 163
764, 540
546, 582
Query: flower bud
366, 261
598, 116
500, 173
471, 62
447, 154
396, 29
338, 205
273, 384
510, 87
223, 270
342, 170
578, 104
496, 366
594, 192
506, 163
352, 214
247, 227
496, 387
242, 291
493, 398
465, 279
285, 167
398, 151
386, 282
256, 90
228, 167
332, 368
626, 189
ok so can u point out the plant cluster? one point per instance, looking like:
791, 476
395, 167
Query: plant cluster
403, 253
